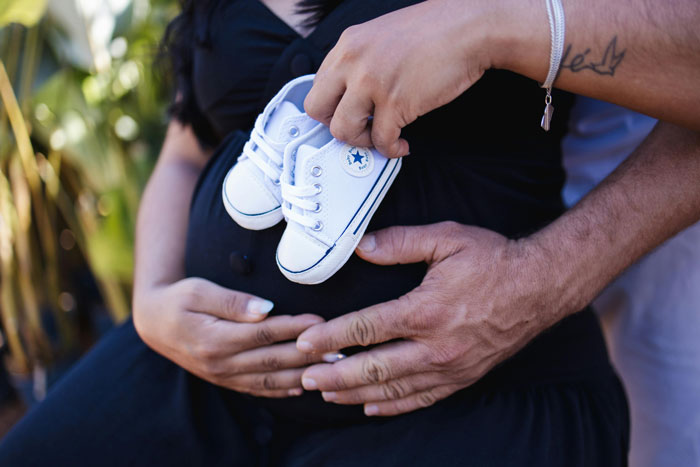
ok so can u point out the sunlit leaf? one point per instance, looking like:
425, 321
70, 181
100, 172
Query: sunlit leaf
26, 12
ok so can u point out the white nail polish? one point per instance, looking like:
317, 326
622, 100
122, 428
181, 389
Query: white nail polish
259, 307
332, 357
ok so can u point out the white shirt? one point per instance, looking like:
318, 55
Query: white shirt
651, 314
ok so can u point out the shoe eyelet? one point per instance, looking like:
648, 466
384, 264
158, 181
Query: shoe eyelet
318, 226
294, 132
318, 208
316, 171
276, 182
318, 188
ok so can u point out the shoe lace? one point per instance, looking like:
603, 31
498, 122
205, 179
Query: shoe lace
265, 153
295, 196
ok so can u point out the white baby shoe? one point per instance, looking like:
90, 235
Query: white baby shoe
251, 190
330, 191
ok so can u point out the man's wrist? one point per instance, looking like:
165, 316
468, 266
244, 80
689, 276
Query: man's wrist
518, 37
548, 279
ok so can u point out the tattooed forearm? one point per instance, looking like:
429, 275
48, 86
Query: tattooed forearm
582, 61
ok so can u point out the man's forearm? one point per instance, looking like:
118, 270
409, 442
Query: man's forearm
639, 54
652, 196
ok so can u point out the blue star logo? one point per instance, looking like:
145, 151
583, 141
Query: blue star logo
357, 157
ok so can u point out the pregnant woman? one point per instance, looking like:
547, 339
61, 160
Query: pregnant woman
218, 379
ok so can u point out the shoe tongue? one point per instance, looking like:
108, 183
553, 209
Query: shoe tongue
304, 152
277, 126
312, 145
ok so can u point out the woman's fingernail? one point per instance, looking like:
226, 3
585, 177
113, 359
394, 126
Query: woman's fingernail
329, 396
305, 346
309, 384
295, 392
371, 410
258, 307
368, 244
332, 357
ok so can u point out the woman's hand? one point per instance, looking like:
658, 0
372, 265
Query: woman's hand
483, 298
223, 336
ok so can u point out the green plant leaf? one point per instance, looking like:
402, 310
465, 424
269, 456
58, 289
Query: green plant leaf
26, 12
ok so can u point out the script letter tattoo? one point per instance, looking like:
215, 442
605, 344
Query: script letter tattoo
581, 61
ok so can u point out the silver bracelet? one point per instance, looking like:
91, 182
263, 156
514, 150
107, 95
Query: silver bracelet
557, 27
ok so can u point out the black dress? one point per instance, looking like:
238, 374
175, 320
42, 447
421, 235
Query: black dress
480, 160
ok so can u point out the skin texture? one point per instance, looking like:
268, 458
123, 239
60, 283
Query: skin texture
210, 331
484, 296
402, 65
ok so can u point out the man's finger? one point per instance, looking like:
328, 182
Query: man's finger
350, 122
419, 400
324, 96
372, 325
379, 365
272, 358
207, 297
388, 390
386, 132
411, 244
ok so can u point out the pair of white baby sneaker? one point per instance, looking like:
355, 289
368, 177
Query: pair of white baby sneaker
292, 168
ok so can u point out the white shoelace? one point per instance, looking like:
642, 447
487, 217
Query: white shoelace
297, 196
267, 156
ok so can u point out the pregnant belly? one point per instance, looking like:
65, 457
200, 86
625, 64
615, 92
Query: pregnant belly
427, 190
223, 252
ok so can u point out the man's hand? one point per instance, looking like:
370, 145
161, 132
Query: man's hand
224, 337
479, 303
396, 68
406, 63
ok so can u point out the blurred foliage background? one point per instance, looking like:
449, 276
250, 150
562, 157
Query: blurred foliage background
82, 117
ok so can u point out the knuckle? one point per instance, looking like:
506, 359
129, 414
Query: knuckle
271, 363
192, 293
214, 369
206, 352
369, 80
268, 383
264, 335
349, 43
397, 239
426, 399
374, 371
424, 316
451, 230
338, 382
339, 128
393, 390
231, 303
380, 136
361, 330
443, 356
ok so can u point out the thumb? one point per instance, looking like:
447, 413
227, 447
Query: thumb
207, 297
403, 245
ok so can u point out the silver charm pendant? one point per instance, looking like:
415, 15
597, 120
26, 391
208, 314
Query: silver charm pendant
548, 111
